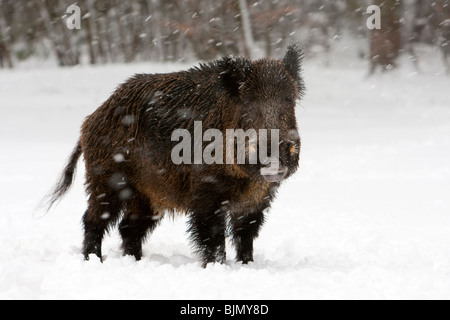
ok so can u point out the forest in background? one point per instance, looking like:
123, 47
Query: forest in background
178, 30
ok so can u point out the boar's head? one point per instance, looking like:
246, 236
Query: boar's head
268, 90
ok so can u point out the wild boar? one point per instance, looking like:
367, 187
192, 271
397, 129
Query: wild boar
128, 145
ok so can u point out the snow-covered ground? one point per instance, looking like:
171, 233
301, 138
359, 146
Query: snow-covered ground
367, 216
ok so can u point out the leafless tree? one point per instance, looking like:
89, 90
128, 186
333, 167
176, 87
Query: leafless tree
175, 30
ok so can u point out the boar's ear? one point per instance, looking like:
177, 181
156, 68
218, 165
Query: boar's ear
293, 62
234, 71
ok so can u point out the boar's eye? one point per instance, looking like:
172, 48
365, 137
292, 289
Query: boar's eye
289, 100
285, 108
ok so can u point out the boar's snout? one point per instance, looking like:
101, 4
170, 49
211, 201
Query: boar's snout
278, 169
273, 173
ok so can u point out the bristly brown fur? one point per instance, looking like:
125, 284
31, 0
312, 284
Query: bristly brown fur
127, 146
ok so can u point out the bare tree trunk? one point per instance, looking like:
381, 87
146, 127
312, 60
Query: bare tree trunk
90, 34
5, 56
154, 6
386, 43
146, 30
417, 12
442, 9
133, 16
106, 23
120, 35
62, 43
96, 45
249, 43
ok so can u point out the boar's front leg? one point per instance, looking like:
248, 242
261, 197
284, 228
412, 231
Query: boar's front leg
207, 232
244, 229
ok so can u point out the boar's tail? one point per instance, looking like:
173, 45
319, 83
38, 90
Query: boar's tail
65, 181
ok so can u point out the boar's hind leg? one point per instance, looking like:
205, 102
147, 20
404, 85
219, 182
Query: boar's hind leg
207, 231
103, 211
244, 229
138, 221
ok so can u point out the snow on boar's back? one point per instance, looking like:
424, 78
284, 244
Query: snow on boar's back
214, 142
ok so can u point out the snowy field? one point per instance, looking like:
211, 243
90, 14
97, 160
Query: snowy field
367, 216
